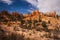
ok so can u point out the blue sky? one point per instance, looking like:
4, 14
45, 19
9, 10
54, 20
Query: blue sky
20, 6
25, 6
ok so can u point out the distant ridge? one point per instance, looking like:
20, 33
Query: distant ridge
15, 16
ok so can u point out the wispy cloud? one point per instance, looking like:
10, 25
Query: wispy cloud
46, 5
7, 1
33, 2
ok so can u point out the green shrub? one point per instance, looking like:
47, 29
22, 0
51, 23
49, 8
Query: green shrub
22, 22
44, 24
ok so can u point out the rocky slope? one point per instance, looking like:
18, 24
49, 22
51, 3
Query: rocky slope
34, 26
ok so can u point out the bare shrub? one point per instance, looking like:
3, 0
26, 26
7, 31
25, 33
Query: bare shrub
16, 37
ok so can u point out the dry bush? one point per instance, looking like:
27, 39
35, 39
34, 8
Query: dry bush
16, 37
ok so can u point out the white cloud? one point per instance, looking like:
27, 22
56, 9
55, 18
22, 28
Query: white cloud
33, 2
7, 1
46, 5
